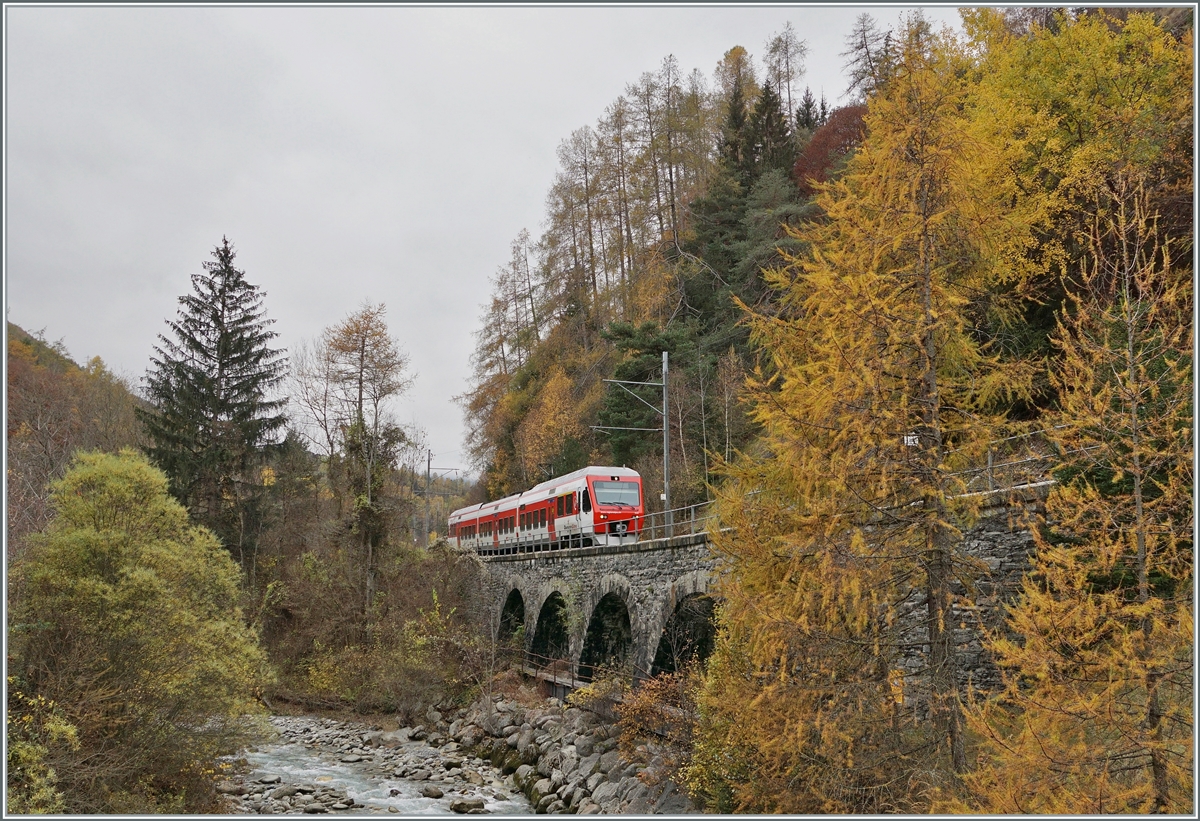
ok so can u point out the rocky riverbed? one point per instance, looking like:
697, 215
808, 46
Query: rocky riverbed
323, 765
498, 756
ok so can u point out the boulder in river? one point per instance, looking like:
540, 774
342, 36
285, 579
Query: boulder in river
465, 805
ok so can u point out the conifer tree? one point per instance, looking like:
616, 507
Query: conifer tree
768, 134
344, 386
808, 115
1110, 93
878, 396
869, 55
1096, 715
213, 416
736, 153
785, 62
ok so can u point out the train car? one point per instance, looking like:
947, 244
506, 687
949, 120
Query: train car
591, 506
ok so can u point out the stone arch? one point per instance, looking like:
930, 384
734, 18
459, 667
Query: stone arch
536, 593
610, 584
512, 618
609, 638
551, 634
686, 626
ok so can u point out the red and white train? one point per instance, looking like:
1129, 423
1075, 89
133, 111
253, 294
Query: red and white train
591, 506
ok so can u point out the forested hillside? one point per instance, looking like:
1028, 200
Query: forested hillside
992, 244
56, 407
658, 215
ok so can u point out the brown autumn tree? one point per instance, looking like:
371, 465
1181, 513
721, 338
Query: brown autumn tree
830, 146
344, 385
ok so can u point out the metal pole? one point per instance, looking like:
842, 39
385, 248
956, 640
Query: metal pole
429, 462
667, 516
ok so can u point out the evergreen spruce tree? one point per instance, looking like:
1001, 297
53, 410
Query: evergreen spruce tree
768, 136
213, 419
643, 345
736, 152
808, 115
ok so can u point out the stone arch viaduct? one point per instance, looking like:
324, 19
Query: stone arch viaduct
582, 604
587, 606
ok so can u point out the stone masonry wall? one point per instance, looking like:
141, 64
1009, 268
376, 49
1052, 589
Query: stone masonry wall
650, 577
653, 577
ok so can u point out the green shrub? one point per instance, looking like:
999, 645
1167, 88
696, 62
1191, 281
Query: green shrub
124, 618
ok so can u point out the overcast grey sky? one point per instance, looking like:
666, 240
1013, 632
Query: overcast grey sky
383, 153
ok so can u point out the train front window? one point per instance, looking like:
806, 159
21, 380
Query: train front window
617, 493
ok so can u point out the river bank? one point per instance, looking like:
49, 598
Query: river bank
501, 755
565, 759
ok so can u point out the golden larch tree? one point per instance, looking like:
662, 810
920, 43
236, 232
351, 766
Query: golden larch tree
1096, 715
835, 685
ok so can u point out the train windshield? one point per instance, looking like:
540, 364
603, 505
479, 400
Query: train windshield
617, 493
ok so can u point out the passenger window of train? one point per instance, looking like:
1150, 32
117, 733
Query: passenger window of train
560, 506
543, 517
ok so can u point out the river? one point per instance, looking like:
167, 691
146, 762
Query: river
320, 765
